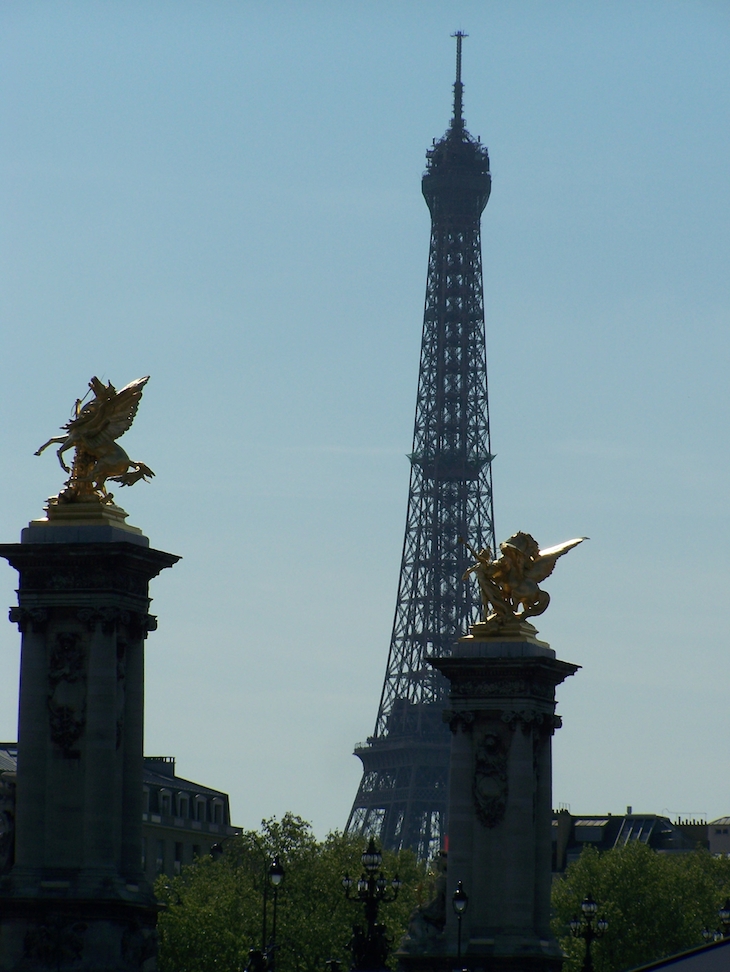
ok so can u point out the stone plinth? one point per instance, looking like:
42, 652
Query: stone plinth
76, 897
502, 717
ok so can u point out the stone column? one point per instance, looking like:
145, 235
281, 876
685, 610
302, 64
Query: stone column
76, 898
502, 716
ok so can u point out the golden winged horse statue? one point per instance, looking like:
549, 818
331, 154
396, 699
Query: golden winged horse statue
511, 581
93, 433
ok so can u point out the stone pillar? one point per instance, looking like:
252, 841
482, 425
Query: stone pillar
76, 897
502, 717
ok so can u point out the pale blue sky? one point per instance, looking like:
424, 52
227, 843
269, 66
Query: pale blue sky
226, 196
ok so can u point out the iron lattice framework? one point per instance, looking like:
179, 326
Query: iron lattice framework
402, 797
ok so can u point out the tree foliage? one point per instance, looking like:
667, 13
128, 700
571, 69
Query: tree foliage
656, 904
213, 913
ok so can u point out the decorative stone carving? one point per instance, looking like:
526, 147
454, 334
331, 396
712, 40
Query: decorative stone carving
139, 946
458, 720
67, 692
7, 821
140, 625
94, 576
529, 718
107, 617
477, 688
25, 616
55, 942
490, 786
426, 922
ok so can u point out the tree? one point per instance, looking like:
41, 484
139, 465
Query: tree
656, 904
213, 913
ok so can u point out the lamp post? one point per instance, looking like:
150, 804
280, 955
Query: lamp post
724, 916
264, 959
276, 876
370, 947
588, 927
459, 902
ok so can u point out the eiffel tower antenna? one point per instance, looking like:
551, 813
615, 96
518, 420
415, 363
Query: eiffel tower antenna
458, 119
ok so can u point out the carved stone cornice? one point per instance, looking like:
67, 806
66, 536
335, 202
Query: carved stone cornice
503, 678
117, 568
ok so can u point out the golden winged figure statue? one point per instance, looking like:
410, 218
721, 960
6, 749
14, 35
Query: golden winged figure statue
93, 432
510, 582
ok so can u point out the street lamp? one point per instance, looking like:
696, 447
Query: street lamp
264, 959
588, 927
370, 947
724, 915
459, 902
276, 876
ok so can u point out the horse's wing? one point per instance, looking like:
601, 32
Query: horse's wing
545, 563
124, 407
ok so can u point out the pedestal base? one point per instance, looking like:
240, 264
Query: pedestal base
77, 935
480, 963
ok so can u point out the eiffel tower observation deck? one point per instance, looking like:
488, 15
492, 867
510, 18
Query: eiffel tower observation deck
402, 798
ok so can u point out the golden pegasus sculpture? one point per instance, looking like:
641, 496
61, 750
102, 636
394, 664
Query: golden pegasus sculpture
93, 432
510, 582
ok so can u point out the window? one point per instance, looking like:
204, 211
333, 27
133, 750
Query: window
146, 799
200, 808
144, 853
217, 812
183, 805
178, 857
196, 851
165, 802
160, 862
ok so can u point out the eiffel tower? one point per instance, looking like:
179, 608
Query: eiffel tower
402, 797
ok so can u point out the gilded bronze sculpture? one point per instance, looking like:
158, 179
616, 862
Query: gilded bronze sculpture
93, 432
511, 581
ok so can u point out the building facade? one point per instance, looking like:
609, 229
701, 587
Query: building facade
181, 820
571, 833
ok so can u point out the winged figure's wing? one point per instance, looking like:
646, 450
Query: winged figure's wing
545, 563
118, 413
124, 407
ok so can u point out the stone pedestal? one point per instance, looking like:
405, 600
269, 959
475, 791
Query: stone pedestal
76, 897
502, 717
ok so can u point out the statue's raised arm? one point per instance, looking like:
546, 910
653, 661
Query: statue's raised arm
93, 432
509, 584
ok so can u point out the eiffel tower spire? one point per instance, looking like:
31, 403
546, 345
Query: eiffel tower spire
403, 793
